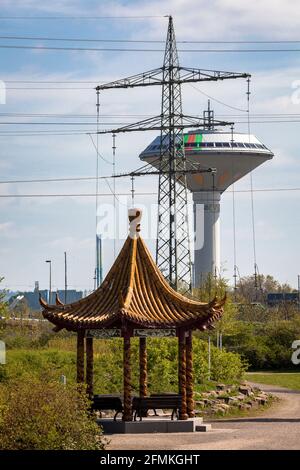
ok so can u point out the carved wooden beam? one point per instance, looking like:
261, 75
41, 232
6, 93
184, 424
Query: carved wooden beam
143, 368
189, 376
127, 414
80, 356
182, 374
90, 367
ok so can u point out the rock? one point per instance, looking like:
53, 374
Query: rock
209, 402
220, 408
200, 403
232, 400
244, 406
221, 387
217, 409
245, 390
240, 397
245, 384
261, 400
253, 404
224, 406
263, 395
221, 399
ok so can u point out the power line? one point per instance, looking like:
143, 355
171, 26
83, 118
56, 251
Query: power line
72, 132
61, 123
262, 190
53, 81
51, 180
49, 88
68, 195
120, 49
146, 41
216, 100
66, 115
42, 133
105, 116
123, 17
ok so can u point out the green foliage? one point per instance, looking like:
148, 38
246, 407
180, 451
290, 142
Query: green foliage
21, 362
260, 334
265, 345
288, 379
255, 290
108, 357
3, 305
225, 366
32, 335
45, 415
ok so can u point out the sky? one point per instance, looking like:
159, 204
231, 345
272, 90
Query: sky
61, 82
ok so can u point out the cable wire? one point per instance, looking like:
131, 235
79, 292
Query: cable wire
144, 41
216, 100
120, 49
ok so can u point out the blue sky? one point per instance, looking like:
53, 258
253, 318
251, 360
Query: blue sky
32, 230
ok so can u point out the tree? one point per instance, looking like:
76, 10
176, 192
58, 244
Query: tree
218, 287
43, 414
3, 304
252, 290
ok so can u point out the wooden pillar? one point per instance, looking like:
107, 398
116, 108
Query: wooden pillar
182, 374
89, 367
127, 414
189, 376
80, 356
143, 368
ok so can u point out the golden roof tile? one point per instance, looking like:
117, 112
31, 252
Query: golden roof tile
134, 291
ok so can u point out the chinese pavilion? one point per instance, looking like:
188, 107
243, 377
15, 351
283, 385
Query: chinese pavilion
135, 300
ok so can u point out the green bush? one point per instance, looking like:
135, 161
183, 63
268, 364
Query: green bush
39, 363
46, 415
267, 345
225, 366
108, 370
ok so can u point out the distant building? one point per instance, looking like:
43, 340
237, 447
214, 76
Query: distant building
32, 297
277, 298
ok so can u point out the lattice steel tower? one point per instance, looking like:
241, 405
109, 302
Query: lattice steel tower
173, 250
173, 255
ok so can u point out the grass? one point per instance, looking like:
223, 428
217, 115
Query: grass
282, 379
235, 412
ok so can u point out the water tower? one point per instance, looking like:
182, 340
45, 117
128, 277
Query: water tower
233, 155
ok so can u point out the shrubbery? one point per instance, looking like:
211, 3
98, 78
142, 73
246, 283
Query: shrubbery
108, 357
40, 414
265, 345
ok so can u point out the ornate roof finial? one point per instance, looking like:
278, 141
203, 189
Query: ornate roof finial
134, 216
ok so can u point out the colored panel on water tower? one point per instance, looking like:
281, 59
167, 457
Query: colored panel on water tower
199, 138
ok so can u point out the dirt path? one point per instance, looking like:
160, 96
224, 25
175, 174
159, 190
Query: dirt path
277, 428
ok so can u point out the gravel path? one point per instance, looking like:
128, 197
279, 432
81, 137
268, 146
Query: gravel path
276, 428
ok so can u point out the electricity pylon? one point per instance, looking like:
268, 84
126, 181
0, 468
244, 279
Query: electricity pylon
173, 250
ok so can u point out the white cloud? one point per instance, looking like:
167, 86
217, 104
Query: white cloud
5, 227
33, 157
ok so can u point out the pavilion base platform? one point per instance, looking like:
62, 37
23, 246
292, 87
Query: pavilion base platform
150, 425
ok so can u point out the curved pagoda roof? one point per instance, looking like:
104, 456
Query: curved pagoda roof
134, 293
